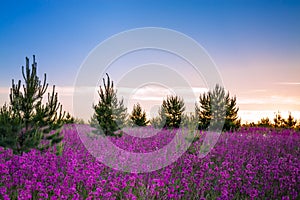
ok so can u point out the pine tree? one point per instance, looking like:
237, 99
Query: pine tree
138, 117
93, 121
26, 120
189, 120
279, 121
157, 122
216, 106
69, 119
10, 125
290, 122
171, 111
297, 126
109, 112
265, 122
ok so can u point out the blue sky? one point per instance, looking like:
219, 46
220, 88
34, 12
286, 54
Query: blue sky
255, 44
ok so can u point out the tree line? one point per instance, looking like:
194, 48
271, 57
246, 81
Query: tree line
111, 115
25, 121
278, 122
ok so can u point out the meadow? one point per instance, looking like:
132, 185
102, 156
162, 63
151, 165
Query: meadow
252, 163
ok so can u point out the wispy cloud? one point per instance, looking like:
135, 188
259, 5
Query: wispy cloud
287, 83
151, 96
270, 100
257, 91
147, 93
251, 101
61, 90
199, 90
65, 91
157, 93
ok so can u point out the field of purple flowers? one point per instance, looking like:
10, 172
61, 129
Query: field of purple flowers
256, 163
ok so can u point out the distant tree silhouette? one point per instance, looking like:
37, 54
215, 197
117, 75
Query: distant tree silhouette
171, 111
290, 122
26, 121
189, 120
297, 126
219, 106
69, 119
157, 122
79, 121
279, 122
265, 122
110, 114
138, 116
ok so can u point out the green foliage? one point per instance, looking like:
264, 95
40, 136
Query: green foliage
26, 120
171, 111
297, 126
69, 119
10, 125
157, 122
265, 122
59, 149
251, 124
138, 117
280, 122
93, 122
110, 114
290, 122
79, 121
217, 106
189, 120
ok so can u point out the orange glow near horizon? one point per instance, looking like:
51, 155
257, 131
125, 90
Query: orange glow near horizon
250, 109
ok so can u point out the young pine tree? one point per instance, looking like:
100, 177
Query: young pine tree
290, 122
171, 111
264, 122
26, 120
138, 116
157, 122
110, 114
279, 121
217, 106
297, 126
10, 126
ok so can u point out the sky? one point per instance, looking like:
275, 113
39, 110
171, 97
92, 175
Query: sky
254, 44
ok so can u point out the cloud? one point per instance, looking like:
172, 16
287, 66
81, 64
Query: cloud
257, 91
151, 96
64, 91
158, 93
288, 83
147, 93
251, 101
199, 90
273, 99
61, 90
